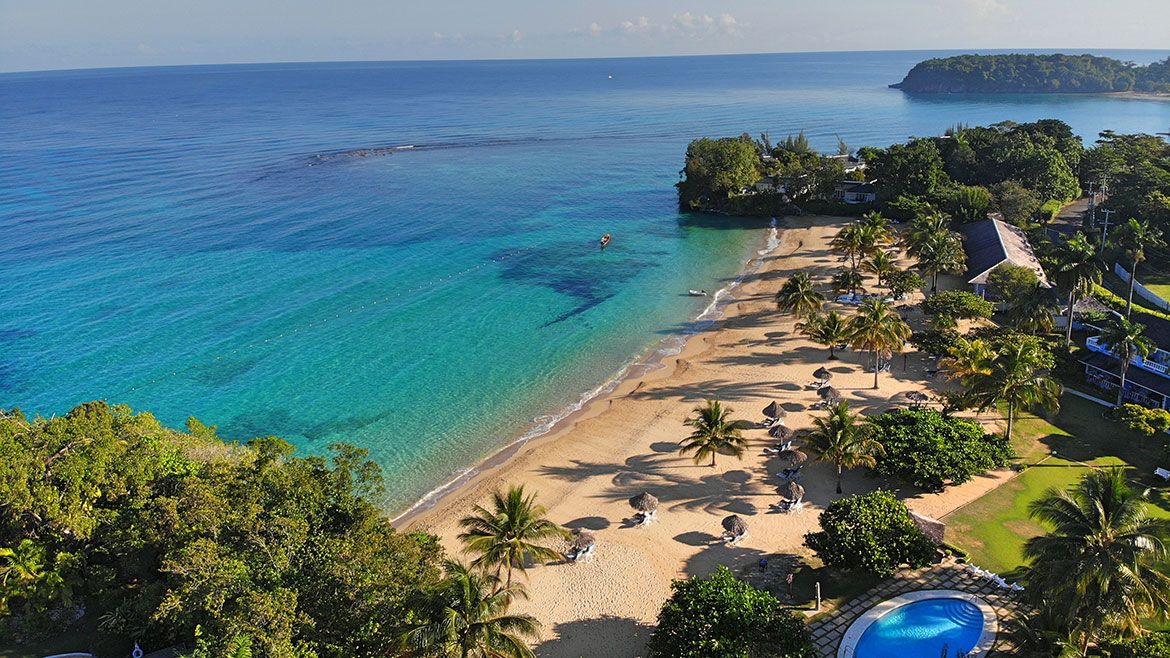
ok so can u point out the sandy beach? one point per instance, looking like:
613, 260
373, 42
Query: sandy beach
627, 443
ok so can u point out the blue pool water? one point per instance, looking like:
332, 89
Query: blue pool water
921, 629
194, 240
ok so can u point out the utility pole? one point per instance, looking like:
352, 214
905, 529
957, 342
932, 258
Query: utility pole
1092, 205
1105, 226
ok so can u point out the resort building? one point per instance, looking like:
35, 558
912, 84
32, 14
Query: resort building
855, 191
991, 243
1147, 381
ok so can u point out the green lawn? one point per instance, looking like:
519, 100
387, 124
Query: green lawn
993, 528
1157, 282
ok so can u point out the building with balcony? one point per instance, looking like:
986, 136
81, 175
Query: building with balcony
1147, 381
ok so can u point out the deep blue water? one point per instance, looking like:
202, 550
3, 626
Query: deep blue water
189, 241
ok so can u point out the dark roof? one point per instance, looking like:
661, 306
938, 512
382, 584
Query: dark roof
1136, 375
858, 186
991, 242
1157, 329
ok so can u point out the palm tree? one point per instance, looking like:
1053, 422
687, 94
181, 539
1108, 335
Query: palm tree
939, 253
510, 534
830, 330
849, 280
1017, 375
1127, 340
1032, 314
856, 240
23, 574
924, 226
881, 226
1133, 238
841, 440
882, 263
466, 616
878, 327
1101, 559
799, 296
968, 358
715, 432
1078, 269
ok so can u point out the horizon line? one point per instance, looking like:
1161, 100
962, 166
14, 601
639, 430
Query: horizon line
1055, 51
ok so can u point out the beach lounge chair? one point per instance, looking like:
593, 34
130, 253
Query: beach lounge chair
1162, 473
789, 473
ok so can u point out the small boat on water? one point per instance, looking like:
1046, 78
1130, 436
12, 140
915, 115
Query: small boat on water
604, 242
697, 293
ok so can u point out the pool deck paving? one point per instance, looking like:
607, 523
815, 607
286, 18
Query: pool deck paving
828, 630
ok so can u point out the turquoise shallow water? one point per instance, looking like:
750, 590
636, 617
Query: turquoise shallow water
193, 241
922, 630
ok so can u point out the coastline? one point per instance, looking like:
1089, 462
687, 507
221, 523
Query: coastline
626, 442
642, 365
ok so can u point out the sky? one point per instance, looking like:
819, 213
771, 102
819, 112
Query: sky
55, 34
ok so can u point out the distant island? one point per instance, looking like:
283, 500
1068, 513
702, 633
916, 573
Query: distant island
1032, 74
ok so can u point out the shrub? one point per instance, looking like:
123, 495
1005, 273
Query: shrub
872, 532
929, 449
903, 283
1009, 282
1142, 419
950, 305
723, 616
933, 342
1049, 210
1152, 645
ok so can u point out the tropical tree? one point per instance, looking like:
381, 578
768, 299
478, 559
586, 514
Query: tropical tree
939, 253
839, 439
924, 226
24, 574
1077, 268
877, 327
511, 534
883, 229
1016, 375
1100, 561
855, 241
830, 330
882, 263
799, 295
847, 279
1133, 238
1032, 312
1127, 340
967, 359
715, 432
466, 616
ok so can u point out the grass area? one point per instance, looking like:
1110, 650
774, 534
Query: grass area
1157, 282
1056, 453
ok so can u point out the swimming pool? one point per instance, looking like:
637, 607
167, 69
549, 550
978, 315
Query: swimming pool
920, 624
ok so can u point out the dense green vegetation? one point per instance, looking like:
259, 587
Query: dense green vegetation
872, 533
165, 537
723, 616
1034, 74
931, 450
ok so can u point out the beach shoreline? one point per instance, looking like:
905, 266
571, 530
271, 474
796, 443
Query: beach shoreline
626, 443
644, 364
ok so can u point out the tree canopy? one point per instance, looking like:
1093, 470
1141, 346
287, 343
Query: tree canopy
872, 533
1025, 73
721, 615
931, 450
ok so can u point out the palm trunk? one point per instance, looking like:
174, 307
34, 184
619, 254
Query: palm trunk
712, 459
1129, 300
934, 282
1121, 389
832, 352
875, 368
838, 478
1011, 418
1072, 300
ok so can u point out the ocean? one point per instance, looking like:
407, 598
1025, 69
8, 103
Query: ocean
252, 245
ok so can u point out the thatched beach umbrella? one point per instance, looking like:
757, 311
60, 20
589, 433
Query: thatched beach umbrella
823, 374
644, 503
795, 457
792, 491
773, 410
735, 525
582, 540
828, 393
782, 432
933, 528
